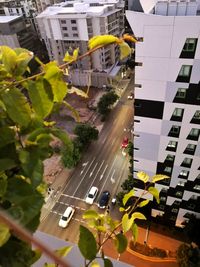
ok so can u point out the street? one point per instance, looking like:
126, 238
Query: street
102, 165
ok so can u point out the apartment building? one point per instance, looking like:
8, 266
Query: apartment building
167, 104
70, 24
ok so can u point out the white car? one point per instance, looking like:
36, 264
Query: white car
66, 217
130, 97
91, 195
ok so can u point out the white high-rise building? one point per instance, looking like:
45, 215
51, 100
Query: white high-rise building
71, 24
167, 104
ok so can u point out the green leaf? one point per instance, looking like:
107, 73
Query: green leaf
121, 242
73, 110
6, 164
127, 196
55, 78
7, 136
62, 136
125, 50
154, 191
102, 40
23, 58
4, 234
90, 214
33, 136
107, 263
50, 264
9, 58
95, 264
41, 97
138, 215
159, 177
17, 106
3, 186
134, 229
126, 222
143, 176
87, 244
143, 203
62, 252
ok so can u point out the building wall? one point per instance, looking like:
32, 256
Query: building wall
160, 57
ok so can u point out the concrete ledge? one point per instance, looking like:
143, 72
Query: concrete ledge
152, 259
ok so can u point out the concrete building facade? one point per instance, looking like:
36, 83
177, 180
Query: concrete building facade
167, 104
71, 24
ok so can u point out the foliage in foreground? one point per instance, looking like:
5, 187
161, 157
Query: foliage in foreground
26, 134
188, 255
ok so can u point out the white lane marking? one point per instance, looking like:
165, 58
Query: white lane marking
93, 169
65, 204
104, 140
84, 176
112, 179
65, 195
114, 121
84, 165
113, 141
103, 172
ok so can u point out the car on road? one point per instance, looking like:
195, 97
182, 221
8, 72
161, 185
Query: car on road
124, 142
104, 199
66, 217
130, 96
91, 195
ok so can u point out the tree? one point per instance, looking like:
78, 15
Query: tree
191, 230
86, 133
26, 131
105, 103
71, 158
188, 255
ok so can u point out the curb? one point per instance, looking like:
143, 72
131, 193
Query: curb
152, 259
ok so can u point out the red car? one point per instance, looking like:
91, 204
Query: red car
124, 142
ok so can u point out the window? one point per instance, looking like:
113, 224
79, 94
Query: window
66, 35
174, 210
187, 162
63, 21
168, 170
185, 71
179, 194
172, 145
194, 134
175, 130
196, 117
183, 174
181, 183
75, 35
177, 114
181, 93
197, 187
64, 28
73, 21
170, 158
190, 45
74, 28
190, 149
163, 199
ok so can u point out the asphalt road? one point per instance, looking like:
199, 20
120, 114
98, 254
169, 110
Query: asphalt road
102, 165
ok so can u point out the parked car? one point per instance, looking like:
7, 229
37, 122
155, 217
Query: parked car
91, 195
130, 96
104, 199
66, 217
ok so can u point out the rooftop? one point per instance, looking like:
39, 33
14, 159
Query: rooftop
6, 19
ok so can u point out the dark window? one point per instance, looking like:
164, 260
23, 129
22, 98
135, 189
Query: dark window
66, 35
189, 48
175, 131
194, 134
168, 170
179, 194
190, 149
73, 21
74, 28
196, 117
149, 108
75, 35
187, 162
64, 28
181, 93
63, 21
177, 114
183, 174
184, 74
170, 158
172, 145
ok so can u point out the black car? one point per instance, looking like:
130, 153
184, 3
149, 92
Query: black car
104, 199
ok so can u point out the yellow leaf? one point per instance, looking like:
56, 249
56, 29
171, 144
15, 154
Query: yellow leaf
77, 91
68, 57
75, 53
95, 264
125, 50
143, 176
103, 40
129, 38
